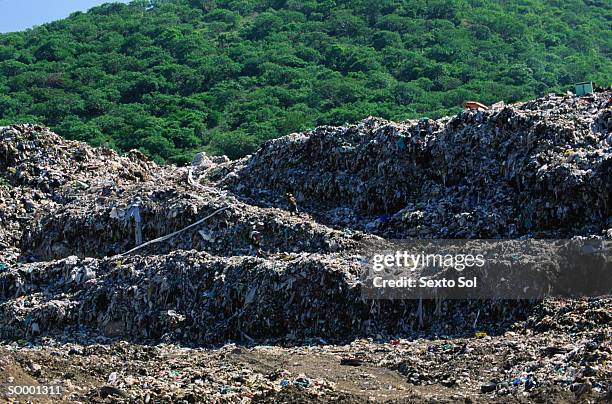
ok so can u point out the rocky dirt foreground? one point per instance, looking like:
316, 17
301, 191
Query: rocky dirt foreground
233, 299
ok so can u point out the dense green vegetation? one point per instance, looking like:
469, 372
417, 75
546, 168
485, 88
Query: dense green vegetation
175, 76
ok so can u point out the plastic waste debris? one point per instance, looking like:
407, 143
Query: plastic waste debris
538, 169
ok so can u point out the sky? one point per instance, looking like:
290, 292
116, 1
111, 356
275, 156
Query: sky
17, 15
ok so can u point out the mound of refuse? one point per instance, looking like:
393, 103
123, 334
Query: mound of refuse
95, 243
537, 169
61, 198
195, 297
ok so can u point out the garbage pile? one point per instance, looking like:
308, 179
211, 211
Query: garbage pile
106, 230
538, 169
119, 232
40, 172
194, 297
569, 355
98, 247
62, 198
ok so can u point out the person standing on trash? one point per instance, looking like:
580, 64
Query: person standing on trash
293, 209
256, 243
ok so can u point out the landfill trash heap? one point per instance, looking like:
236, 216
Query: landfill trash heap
536, 169
70, 214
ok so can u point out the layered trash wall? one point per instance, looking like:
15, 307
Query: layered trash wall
541, 169
253, 269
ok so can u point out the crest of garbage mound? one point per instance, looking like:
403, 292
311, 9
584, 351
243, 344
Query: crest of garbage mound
536, 169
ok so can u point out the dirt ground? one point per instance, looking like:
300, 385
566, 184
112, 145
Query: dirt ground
400, 371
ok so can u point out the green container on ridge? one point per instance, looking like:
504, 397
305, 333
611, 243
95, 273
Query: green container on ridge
584, 88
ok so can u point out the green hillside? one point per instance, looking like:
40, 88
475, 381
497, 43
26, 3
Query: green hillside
172, 77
